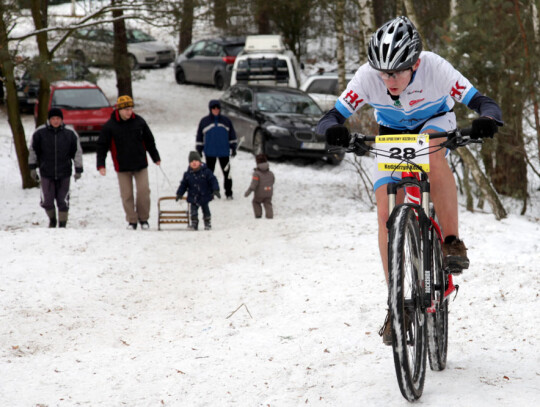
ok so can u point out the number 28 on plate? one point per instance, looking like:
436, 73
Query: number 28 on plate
394, 152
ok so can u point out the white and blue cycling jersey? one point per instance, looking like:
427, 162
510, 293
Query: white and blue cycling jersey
433, 90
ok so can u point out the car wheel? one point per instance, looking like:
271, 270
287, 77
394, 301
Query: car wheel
79, 56
180, 76
258, 143
132, 61
219, 82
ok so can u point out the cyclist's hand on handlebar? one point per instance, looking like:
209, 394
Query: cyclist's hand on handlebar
483, 127
338, 135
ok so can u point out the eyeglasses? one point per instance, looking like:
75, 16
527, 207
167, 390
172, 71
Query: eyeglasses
214, 107
395, 74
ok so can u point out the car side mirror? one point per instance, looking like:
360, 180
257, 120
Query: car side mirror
245, 108
189, 54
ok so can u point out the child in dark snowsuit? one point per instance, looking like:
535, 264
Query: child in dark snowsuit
262, 183
201, 186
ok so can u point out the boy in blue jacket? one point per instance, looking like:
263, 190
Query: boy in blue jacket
217, 139
201, 186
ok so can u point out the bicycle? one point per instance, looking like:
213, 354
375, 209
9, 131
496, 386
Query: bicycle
419, 287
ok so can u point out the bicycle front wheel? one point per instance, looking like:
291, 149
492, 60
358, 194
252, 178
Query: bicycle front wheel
408, 320
437, 322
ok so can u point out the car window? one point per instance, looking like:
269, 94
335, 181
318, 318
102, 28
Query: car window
198, 48
233, 50
327, 86
262, 68
85, 98
275, 102
134, 36
101, 35
234, 96
212, 49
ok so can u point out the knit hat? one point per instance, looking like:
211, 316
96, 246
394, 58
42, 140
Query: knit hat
194, 156
55, 112
260, 158
123, 102
214, 103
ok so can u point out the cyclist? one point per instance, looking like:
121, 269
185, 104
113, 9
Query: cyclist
412, 91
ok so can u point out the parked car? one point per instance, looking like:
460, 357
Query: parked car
324, 89
59, 69
94, 46
265, 60
277, 121
84, 106
208, 61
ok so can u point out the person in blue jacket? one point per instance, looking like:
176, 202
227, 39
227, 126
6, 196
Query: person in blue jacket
201, 185
217, 139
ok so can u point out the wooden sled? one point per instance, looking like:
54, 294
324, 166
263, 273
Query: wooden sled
172, 214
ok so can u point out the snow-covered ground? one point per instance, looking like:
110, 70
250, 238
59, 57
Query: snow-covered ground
281, 312
99, 315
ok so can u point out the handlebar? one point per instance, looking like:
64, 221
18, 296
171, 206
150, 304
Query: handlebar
455, 138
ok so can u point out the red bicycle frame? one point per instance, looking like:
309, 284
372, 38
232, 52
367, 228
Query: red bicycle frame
412, 195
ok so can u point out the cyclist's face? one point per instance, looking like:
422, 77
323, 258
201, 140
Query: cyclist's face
397, 81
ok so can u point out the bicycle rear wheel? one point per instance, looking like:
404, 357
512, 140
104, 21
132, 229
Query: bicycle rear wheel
408, 320
437, 322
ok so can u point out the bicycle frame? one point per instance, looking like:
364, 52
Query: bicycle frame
417, 195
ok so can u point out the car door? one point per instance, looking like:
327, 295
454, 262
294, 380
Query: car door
211, 56
235, 100
191, 65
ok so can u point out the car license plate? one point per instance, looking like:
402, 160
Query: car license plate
87, 139
314, 146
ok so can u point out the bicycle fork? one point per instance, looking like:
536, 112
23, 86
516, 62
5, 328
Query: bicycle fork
421, 210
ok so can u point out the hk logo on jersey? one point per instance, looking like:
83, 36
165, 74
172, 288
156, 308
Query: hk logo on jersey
353, 100
457, 91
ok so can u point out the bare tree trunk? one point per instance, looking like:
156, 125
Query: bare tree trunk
39, 16
262, 16
120, 57
220, 14
186, 25
367, 25
340, 33
483, 182
531, 74
14, 118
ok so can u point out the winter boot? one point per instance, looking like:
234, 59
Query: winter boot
454, 255
194, 224
51, 213
62, 219
132, 226
144, 225
386, 331
207, 223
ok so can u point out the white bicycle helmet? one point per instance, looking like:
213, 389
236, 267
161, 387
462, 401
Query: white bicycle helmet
395, 46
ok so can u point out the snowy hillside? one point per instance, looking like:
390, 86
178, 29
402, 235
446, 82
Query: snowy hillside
256, 312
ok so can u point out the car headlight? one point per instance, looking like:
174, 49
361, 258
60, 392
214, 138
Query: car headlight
278, 131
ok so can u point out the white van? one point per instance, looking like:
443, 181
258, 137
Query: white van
265, 60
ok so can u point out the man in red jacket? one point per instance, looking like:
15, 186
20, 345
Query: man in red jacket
129, 138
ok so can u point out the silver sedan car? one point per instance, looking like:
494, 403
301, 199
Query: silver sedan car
94, 46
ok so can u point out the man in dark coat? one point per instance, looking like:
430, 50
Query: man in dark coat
53, 149
201, 185
217, 139
129, 138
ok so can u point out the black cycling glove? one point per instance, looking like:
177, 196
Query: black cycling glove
338, 135
483, 127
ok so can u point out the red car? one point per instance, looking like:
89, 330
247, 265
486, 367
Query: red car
84, 106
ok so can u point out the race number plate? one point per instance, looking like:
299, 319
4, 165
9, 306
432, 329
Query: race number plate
393, 152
